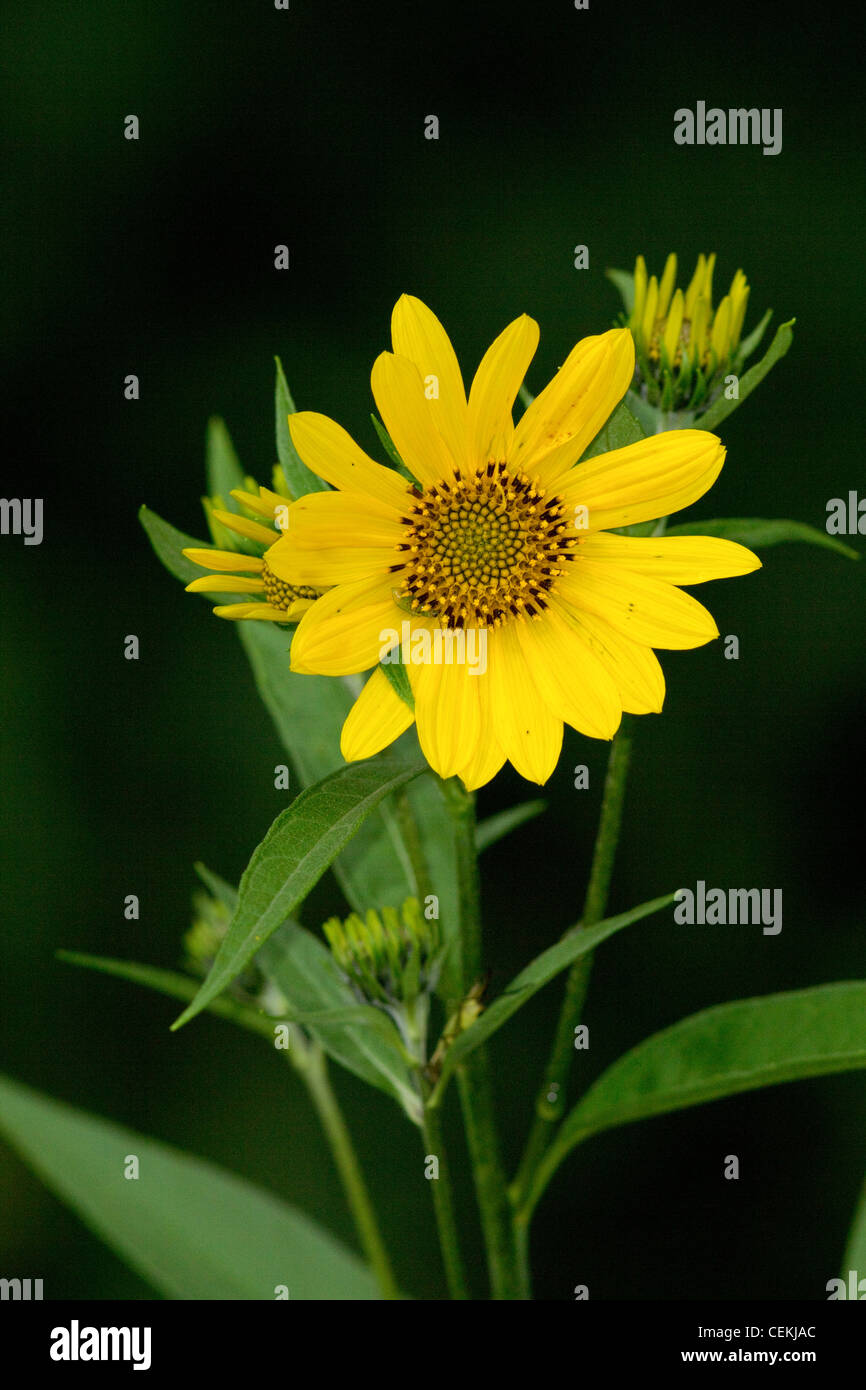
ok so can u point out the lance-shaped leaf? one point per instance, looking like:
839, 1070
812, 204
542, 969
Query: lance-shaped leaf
223, 467
719, 1052
169, 543
722, 407
621, 429
366, 1042
174, 985
299, 477
579, 942
300, 845
757, 534
191, 1229
496, 827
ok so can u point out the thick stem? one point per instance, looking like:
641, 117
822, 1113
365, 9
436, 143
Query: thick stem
476, 1094
315, 1075
443, 1207
551, 1099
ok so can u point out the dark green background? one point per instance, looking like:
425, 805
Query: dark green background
260, 127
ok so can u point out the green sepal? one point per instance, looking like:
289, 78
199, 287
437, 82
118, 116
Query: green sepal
299, 477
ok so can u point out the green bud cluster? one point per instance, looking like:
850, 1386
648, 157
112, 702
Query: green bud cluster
390, 957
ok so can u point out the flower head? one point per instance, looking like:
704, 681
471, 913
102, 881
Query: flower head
245, 567
684, 347
503, 538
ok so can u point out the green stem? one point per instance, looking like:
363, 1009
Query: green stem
315, 1075
409, 833
548, 1112
443, 1207
476, 1092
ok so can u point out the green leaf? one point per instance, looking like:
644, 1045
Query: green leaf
192, 1230
719, 1052
299, 477
223, 468
758, 534
388, 445
300, 845
303, 970
496, 827
855, 1250
748, 345
169, 543
624, 281
621, 429
309, 712
395, 673
578, 942
175, 986
217, 887
721, 407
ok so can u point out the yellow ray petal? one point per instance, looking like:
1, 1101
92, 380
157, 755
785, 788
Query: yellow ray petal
495, 387
330, 452
635, 668
345, 630
377, 718
640, 283
674, 325
488, 758
447, 713
223, 559
666, 287
225, 584
646, 610
529, 733
262, 611
253, 530
416, 333
570, 411
646, 480
410, 418
571, 680
334, 538
675, 559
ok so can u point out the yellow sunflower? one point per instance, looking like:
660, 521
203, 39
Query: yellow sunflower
242, 573
504, 538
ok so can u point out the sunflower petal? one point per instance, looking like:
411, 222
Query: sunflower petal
409, 418
332, 453
646, 480
495, 387
567, 415
377, 718
529, 733
345, 630
416, 333
225, 584
263, 611
223, 559
676, 559
646, 610
447, 713
634, 667
571, 680
335, 538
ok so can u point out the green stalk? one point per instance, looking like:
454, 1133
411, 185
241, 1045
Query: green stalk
314, 1071
548, 1113
444, 1209
476, 1093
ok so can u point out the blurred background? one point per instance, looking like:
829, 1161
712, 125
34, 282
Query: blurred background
155, 257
